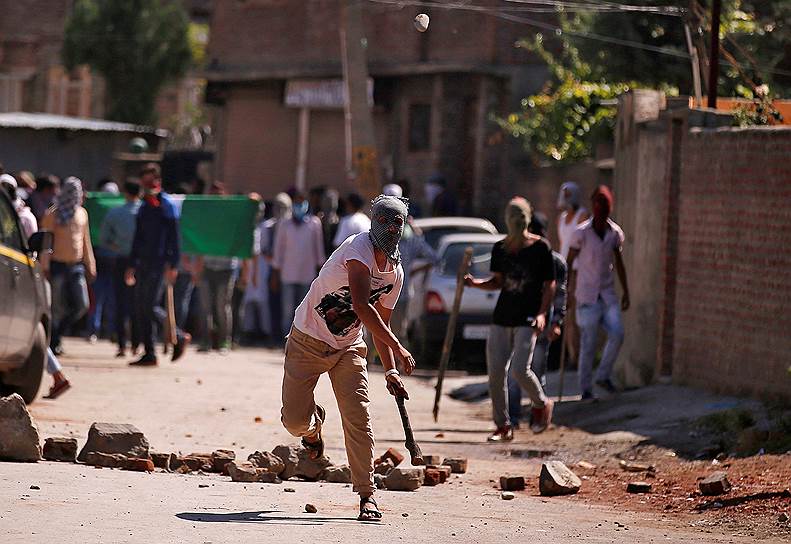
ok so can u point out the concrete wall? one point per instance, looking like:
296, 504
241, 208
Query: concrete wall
734, 269
85, 154
640, 186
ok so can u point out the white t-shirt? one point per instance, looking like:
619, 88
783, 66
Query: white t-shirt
351, 224
326, 312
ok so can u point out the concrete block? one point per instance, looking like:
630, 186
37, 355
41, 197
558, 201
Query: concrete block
60, 449
512, 483
715, 484
458, 465
557, 479
404, 479
112, 438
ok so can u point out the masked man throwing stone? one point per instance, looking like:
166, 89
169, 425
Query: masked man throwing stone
358, 285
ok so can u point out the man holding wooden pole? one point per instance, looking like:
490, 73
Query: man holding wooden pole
153, 265
523, 270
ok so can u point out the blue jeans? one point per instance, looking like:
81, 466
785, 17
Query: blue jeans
69, 297
182, 295
103, 294
291, 295
589, 318
124, 305
53, 365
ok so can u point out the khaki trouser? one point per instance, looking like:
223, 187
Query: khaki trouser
308, 358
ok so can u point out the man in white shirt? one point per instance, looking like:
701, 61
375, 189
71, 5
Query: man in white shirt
596, 247
353, 222
297, 256
358, 286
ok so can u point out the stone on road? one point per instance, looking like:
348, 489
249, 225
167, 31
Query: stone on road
60, 449
557, 479
19, 439
289, 454
268, 461
78, 503
715, 484
338, 475
122, 438
512, 483
638, 487
404, 479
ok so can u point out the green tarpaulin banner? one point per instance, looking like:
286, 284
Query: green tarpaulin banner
210, 225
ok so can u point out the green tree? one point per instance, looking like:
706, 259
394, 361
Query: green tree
574, 111
755, 34
138, 46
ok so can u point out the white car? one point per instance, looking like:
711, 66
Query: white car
434, 228
430, 305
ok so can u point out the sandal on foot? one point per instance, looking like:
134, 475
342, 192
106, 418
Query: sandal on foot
366, 512
316, 449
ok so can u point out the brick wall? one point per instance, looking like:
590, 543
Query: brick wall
294, 35
732, 327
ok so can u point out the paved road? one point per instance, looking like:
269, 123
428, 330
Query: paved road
208, 402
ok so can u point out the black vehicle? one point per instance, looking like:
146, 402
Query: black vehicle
24, 306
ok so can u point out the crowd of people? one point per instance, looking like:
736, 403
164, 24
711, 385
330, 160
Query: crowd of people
330, 281
115, 289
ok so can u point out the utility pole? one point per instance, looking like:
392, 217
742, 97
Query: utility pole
362, 164
693, 57
714, 53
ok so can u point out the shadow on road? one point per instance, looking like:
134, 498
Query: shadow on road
736, 501
266, 516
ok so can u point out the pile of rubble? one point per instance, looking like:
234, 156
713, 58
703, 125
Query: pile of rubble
123, 446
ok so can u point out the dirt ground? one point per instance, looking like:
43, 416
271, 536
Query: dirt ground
209, 402
657, 426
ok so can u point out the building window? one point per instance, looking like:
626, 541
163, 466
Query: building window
419, 127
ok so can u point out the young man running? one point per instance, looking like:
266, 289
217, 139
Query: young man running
358, 285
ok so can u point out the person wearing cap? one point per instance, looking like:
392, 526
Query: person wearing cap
595, 249
555, 317
357, 287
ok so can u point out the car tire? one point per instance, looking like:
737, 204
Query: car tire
26, 380
429, 351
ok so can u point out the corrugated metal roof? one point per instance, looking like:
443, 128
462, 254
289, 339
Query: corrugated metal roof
40, 121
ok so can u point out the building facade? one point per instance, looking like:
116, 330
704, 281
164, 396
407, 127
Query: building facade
274, 81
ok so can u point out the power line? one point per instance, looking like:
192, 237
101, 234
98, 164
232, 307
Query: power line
603, 7
496, 12
538, 24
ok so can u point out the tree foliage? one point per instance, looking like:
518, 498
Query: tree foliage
754, 33
138, 46
574, 111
